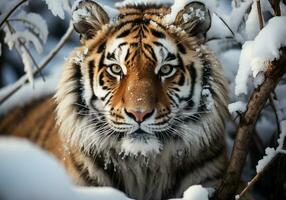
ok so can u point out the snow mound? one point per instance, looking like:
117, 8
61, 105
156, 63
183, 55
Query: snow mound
197, 192
27, 172
238, 106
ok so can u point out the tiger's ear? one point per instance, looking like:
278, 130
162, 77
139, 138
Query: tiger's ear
88, 18
194, 18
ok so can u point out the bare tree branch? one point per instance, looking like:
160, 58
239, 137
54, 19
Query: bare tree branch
24, 79
224, 22
10, 12
260, 16
259, 97
275, 113
275, 6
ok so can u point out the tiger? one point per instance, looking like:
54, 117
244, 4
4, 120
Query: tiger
140, 105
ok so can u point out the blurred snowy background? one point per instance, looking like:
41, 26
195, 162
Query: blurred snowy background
234, 23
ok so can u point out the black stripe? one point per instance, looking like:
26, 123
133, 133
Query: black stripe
147, 56
101, 48
173, 100
103, 98
206, 75
158, 34
78, 89
181, 48
121, 16
124, 33
193, 74
122, 44
100, 79
182, 79
101, 63
132, 22
108, 100
158, 43
127, 55
111, 56
91, 67
151, 51
170, 57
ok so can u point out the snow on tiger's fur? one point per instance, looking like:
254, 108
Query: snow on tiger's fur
139, 106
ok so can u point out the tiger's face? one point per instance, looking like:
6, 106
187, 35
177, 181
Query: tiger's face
142, 81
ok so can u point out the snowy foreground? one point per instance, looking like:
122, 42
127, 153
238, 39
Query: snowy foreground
29, 173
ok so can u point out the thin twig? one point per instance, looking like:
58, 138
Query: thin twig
275, 113
275, 4
24, 79
260, 17
11, 11
255, 178
228, 27
235, 3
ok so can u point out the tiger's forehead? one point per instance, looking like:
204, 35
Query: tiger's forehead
156, 52
144, 36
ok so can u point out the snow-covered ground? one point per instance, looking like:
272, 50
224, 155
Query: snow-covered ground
29, 173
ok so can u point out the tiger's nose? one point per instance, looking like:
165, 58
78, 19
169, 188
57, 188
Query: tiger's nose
139, 116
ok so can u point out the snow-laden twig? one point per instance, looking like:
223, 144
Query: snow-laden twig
10, 12
28, 64
24, 53
267, 160
34, 22
238, 106
224, 22
271, 101
24, 79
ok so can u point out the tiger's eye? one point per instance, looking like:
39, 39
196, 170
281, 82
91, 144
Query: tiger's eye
116, 69
166, 69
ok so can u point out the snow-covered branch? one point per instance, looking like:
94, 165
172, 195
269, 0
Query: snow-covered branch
24, 79
259, 96
6, 15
